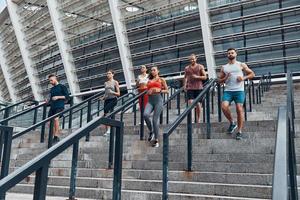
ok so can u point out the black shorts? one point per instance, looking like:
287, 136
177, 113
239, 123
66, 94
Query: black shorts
109, 105
55, 111
192, 94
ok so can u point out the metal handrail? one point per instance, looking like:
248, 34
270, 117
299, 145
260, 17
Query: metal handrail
285, 165
40, 165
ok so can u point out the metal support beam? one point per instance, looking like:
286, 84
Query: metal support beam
122, 41
7, 75
64, 48
28, 62
207, 38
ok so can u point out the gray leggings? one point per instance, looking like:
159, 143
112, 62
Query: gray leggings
155, 103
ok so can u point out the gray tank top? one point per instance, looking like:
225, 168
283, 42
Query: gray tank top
231, 83
110, 87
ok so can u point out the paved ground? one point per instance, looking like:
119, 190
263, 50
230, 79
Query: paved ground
14, 196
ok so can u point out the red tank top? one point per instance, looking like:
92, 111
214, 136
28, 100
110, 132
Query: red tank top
154, 84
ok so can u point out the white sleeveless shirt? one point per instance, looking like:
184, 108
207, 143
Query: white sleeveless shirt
143, 80
231, 84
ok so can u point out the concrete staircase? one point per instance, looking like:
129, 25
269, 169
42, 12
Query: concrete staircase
223, 168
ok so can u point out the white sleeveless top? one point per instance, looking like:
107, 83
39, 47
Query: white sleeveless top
143, 80
235, 70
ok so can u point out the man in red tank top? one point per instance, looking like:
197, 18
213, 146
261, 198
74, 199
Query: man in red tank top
193, 85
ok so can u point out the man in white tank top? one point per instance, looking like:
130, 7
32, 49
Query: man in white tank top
232, 75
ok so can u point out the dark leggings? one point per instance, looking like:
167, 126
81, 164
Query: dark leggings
155, 103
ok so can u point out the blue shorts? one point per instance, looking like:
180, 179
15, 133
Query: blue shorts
236, 96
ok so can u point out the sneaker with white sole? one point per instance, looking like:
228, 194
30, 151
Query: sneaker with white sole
150, 137
231, 128
155, 144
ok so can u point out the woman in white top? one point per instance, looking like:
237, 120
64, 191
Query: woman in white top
142, 84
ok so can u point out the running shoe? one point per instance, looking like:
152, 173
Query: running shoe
155, 144
231, 128
151, 137
239, 136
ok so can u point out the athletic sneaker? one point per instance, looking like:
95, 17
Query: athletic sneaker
155, 144
231, 128
151, 137
55, 140
239, 136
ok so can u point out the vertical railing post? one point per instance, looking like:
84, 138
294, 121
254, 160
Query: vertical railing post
8, 132
40, 185
165, 166
260, 94
178, 103
134, 114
63, 122
142, 118
249, 94
204, 108
219, 104
71, 115
117, 182
6, 113
74, 171
80, 118
212, 100
189, 141
51, 127
89, 117
245, 109
111, 146
253, 91
98, 107
208, 115
167, 117
35, 113
257, 96
43, 127
1, 142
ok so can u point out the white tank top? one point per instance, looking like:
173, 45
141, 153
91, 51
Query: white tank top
143, 80
231, 83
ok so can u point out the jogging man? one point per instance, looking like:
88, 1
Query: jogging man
232, 75
58, 95
193, 85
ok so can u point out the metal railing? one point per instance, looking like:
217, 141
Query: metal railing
8, 137
285, 165
40, 165
8, 109
207, 97
187, 113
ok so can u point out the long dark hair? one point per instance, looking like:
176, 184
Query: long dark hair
150, 74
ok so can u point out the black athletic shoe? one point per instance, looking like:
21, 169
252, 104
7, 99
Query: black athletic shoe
151, 137
231, 128
155, 144
239, 136
55, 140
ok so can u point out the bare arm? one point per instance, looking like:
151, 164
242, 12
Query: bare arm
223, 77
249, 73
165, 86
203, 72
117, 93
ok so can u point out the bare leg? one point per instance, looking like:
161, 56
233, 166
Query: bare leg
56, 127
240, 116
226, 111
198, 112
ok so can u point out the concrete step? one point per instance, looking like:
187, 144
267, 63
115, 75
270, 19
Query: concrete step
104, 193
194, 176
191, 187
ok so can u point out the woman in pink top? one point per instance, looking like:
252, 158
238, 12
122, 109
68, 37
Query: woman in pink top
193, 85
